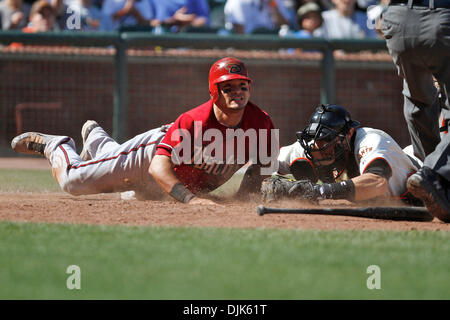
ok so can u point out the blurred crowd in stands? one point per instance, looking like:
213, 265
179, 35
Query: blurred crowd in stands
330, 19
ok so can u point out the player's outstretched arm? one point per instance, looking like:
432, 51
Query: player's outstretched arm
161, 168
369, 185
251, 182
364, 187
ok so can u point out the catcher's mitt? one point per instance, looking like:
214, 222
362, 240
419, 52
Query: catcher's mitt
304, 190
275, 188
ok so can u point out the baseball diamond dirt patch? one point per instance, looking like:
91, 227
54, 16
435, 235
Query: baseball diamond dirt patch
109, 209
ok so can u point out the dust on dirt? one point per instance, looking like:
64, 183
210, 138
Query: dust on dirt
110, 209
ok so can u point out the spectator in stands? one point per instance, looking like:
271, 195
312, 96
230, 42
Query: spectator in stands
42, 18
98, 3
128, 13
323, 4
217, 14
175, 15
253, 16
288, 10
345, 22
62, 14
13, 14
91, 18
364, 4
310, 21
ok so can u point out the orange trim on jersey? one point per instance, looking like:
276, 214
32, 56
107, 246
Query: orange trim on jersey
365, 168
310, 163
302, 158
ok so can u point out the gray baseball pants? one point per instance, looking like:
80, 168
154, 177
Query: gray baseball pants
114, 167
418, 39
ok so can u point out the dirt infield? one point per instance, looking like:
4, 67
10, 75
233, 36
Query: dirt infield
109, 209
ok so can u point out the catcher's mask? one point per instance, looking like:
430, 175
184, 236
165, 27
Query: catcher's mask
223, 70
325, 138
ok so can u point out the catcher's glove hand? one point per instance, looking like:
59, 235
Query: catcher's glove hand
304, 190
274, 188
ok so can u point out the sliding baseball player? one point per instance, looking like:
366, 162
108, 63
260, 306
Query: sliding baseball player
198, 153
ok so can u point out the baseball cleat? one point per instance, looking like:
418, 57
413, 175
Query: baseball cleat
88, 126
426, 186
31, 142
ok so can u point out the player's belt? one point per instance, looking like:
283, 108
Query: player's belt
423, 3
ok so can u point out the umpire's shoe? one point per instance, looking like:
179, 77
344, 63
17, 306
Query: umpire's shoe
88, 126
31, 142
433, 191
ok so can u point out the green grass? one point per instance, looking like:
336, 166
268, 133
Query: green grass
27, 180
204, 263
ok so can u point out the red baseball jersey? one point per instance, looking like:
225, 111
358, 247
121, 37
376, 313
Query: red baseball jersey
216, 151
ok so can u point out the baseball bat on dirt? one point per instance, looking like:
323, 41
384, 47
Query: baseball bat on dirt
387, 213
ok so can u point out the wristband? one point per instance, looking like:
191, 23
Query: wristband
338, 190
181, 193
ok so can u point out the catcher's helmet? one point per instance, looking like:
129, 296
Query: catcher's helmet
327, 128
223, 70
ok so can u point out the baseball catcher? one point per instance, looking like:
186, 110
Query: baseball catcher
333, 144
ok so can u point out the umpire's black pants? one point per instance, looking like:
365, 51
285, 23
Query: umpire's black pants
418, 38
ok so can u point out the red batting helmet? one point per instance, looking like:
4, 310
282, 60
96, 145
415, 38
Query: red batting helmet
223, 70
